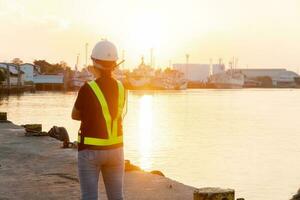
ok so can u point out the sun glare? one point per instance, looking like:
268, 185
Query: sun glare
146, 31
145, 131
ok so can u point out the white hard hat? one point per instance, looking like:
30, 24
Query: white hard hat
105, 50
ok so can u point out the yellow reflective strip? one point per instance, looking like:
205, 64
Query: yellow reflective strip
121, 94
121, 99
103, 103
78, 139
115, 128
103, 142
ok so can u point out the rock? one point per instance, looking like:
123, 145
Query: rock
61, 134
3, 116
33, 127
296, 196
131, 167
157, 173
30, 133
213, 194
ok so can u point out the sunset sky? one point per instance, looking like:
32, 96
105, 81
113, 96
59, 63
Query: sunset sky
261, 33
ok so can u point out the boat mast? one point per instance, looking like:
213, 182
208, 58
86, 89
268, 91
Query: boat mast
151, 58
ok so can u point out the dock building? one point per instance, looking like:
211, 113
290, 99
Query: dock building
16, 77
280, 76
30, 75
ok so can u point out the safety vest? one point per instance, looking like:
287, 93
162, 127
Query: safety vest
111, 124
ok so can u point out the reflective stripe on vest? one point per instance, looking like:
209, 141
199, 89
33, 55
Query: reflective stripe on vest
111, 124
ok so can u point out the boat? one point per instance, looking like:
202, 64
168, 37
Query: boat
144, 77
79, 78
140, 78
232, 79
169, 79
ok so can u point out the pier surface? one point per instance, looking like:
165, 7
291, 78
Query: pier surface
38, 168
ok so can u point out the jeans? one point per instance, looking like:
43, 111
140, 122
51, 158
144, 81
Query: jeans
111, 164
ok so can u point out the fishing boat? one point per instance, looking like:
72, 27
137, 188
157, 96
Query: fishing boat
230, 79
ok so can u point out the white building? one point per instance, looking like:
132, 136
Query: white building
194, 72
13, 74
29, 70
32, 73
278, 76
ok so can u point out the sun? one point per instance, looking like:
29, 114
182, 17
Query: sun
146, 31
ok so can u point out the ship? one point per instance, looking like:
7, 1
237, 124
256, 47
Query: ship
169, 79
144, 77
231, 79
79, 78
140, 78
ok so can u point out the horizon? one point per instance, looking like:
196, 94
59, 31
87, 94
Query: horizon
260, 34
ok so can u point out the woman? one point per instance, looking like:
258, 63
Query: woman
99, 107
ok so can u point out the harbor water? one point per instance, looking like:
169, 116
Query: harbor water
245, 139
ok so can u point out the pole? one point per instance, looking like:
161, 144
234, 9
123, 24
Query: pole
19, 77
123, 58
187, 56
86, 52
151, 57
77, 61
210, 67
8, 77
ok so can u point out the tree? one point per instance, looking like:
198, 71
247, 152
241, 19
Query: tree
48, 68
2, 75
17, 61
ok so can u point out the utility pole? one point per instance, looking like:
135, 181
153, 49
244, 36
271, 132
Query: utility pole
210, 66
187, 56
19, 77
8, 76
77, 61
86, 52
151, 57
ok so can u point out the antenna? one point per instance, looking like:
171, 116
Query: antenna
187, 56
123, 58
86, 52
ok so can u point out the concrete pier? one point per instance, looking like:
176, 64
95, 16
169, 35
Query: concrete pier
38, 168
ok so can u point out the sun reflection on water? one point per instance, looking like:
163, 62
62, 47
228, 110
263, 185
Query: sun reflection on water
145, 131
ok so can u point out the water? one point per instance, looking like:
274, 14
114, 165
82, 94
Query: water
243, 139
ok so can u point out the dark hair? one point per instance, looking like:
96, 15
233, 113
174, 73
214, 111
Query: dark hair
108, 65
103, 72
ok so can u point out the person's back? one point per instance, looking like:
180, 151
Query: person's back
99, 107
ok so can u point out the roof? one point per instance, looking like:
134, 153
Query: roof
12, 68
274, 73
40, 79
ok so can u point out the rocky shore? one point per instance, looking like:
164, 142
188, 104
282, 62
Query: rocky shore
38, 168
